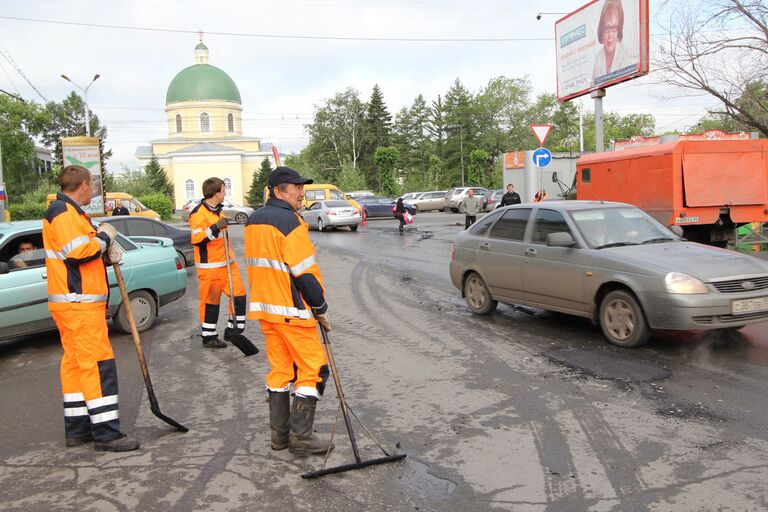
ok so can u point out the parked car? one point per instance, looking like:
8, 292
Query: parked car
233, 212
494, 199
454, 196
137, 227
154, 276
325, 215
359, 193
380, 206
113, 199
427, 201
610, 262
410, 196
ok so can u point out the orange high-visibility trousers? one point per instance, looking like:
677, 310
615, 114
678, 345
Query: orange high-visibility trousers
289, 345
214, 282
88, 373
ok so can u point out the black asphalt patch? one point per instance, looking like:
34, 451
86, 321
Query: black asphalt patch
604, 364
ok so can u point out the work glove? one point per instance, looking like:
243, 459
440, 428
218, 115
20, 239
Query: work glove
109, 229
324, 321
222, 223
114, 254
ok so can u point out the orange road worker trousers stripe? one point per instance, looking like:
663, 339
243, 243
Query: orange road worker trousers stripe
214, 282
296, 355
88, 374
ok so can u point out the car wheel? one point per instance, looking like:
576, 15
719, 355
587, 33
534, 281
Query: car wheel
320, 226
477, 295
353, 228
241, 218
622, 320
455, 210
144, 312
183, 259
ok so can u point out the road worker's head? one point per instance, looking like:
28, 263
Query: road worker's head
76, 182
287, 185
214, 191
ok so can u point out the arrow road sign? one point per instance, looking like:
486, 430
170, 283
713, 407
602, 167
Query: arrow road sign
542, 157
541, 131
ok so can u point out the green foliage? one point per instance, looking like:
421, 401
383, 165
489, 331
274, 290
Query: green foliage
161, 203
134, 183
157, 179
27, 211
38, 195
258, 182
19, 123
480, 168
386, 159
377, 129
350, 179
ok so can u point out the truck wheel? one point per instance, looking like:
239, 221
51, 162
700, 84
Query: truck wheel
144, 312
622, 320
477, 295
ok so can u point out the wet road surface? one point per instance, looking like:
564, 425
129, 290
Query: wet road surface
520, 410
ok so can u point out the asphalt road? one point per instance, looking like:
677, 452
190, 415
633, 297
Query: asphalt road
521, 410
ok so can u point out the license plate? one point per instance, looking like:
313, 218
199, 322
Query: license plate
739, 307
345, 213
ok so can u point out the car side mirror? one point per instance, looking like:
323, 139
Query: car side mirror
560, 239
4, 268
554, 177
676, 230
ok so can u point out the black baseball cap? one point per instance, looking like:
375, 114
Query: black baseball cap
286, 175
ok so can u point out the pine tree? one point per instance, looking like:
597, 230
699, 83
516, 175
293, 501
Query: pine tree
259, 181
378, 123
157, 178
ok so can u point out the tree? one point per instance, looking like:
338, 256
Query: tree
19, 123
461, 130
259, 183
618, 127
377, 127
480, 168
157, 178
350, 178
386, 159
720, 48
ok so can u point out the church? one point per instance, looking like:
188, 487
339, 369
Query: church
205, 136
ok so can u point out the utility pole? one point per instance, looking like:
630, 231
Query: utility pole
85, 100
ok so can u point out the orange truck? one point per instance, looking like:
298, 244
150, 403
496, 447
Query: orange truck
707, 187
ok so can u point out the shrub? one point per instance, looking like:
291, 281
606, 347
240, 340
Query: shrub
160, 203
28, 211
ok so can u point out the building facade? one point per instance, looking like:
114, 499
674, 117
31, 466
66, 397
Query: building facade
205, 137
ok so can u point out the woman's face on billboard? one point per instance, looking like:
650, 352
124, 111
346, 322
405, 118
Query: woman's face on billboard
611, 31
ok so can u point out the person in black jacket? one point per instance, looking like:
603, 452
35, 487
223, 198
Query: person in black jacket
511, 197
121, 210
399, 211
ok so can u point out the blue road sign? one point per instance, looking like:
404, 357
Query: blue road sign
542, 157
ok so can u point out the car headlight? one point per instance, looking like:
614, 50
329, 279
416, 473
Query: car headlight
677, 282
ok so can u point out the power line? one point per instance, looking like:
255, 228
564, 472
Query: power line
289, 36
4, 52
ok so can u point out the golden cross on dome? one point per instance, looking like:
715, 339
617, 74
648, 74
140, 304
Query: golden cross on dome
200, 35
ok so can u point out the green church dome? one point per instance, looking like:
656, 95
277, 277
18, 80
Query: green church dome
202, 82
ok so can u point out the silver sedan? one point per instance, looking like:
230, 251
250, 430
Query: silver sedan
326, 215
610, 262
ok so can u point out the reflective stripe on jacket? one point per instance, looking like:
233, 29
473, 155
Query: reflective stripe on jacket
209, 246
73, 250
285, 280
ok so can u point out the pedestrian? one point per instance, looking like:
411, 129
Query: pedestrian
288, 299
399, 212
470, 206
78, 293
207, 222
121, 210
511, 197
540, 196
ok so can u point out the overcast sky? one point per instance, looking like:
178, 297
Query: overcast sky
282, 78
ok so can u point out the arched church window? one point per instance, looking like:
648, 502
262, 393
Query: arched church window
227, 188
205, 122
189, 188
230, 122
178, 123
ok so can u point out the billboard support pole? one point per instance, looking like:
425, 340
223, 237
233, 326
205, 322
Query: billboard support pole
599, 142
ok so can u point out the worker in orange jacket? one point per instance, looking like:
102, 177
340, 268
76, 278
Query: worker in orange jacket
78, 293
207, 222
288, 299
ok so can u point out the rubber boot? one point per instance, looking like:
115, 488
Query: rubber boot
302, 439
279, 418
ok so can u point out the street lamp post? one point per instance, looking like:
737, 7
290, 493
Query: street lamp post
85, 100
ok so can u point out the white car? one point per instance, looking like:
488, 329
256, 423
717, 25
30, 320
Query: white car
233, 212
427, 201
326, 215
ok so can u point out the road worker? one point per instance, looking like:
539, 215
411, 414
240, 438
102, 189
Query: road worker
288, 299
78, 293
207, 222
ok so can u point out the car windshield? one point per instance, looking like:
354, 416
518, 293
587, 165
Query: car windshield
338, 204
613, 227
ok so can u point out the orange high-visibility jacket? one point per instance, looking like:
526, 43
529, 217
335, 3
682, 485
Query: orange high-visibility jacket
285, 280
209, 248
73, 250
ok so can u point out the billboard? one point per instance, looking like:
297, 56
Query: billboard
601, 44
84, 151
